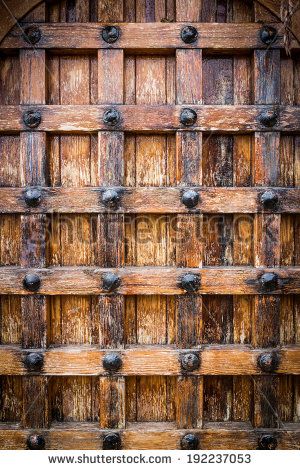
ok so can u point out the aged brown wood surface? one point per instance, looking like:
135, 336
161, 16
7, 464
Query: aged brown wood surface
161, 243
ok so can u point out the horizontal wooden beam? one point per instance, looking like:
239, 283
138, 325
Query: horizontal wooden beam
148, 436
89, 118
87, 280
146, 36
149, 200
155, 360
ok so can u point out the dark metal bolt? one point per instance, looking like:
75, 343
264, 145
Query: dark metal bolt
111, 117
268, 282
267, 442
33, 197
32, 118
190, 361
32, 34
110, 34
36, 442
112, 441
111, 198
268, 34
268, 362
189, 442
189, 34
32, 282
188, 117
190, 282
112, 362
34, 361
269, 199
268, 118
110, 282
190, 198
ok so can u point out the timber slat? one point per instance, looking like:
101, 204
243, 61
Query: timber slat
148, 361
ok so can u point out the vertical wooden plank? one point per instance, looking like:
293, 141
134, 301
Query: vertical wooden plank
188, 10
112, 402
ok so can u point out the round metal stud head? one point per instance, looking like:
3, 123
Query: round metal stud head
34, 361
111, 198
268, 282
110, 282
110, 34
112, 362
189, 442
267, 442
269, 199
32, 118
32, 34
33, 197
190, 361
188, 117
189, 34
32, 282
268, 34
268, 362
268, 118
190, 198
36, 442
112, 441
111, 117
190, 282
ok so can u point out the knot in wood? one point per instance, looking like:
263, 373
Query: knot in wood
32, 34
111, 198
188, 117
110, 34
112, 362
267, 442
189, 442
268, 34
112, 441
190, 361
33, 197
190, 282
269, 199
190, 198
32, 118
36, 442
268, 118
189, 34
111, 117
34, 361
268, 282
111, 282
32, 282
268, 362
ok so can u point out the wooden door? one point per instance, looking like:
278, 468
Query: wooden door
150, 251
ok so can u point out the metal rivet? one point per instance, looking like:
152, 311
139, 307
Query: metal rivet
188, 117
189, 34
190, 361
269, 199
33, 197
268, 34
268, 362
111, 117
189, 442
110, 282
32, 34
112, 441
111, 198
34, 361
110, 34
32, 282
36, 442
190, 198
112, 362
267, 442
268, 282
190, 282
32, 118
268, 118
